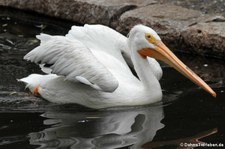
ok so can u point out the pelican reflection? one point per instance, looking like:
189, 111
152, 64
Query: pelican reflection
115, 128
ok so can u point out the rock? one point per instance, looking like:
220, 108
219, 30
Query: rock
81, 11
167, 20
205, 6
206, 39
176, 25
170, 21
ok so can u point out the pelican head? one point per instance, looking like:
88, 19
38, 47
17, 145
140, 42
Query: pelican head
147, 43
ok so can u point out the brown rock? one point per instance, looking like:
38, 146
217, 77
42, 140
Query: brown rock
82, 11
161, 17
176, 25
167, 20
206, 39
205, 6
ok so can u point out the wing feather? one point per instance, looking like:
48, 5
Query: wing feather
71, 58
114, 44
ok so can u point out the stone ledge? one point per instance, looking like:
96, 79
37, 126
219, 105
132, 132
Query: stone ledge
170, 23
206, 39
177, 26
81, 11
167, 22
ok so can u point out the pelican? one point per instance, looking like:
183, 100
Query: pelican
90, 66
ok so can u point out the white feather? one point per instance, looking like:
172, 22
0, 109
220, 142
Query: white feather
100, 38
35, 80
71, 58
94, 73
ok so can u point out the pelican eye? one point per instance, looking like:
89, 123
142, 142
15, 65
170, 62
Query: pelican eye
150, 38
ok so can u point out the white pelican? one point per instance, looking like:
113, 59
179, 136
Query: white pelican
89, 66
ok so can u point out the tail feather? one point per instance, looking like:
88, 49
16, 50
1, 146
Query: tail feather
43, 37
34, 80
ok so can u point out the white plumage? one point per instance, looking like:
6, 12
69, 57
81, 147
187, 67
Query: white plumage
71, 58
90, 66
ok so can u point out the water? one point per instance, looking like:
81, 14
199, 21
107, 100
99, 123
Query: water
188, 114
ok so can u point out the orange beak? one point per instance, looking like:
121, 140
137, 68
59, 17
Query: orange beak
161, 52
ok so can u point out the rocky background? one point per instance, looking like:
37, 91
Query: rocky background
190, 26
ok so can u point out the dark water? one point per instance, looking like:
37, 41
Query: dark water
188, 114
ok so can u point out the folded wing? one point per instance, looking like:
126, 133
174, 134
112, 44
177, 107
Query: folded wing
72, 59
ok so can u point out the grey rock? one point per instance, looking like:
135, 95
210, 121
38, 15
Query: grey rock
167, 20
81, 11
205, 6
177, 26
170, 21
206, 39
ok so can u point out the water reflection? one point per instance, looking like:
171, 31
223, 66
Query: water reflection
184, 143
191, 110
99, 129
